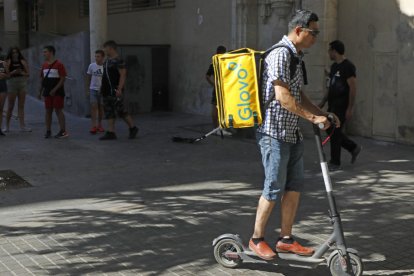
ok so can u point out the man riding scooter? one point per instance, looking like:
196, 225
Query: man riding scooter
279, 137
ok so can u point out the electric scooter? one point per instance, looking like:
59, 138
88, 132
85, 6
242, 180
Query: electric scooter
230, 252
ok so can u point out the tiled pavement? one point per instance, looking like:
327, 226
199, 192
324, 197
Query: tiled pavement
153, 207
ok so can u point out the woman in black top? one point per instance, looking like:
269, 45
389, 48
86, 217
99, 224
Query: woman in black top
18, 73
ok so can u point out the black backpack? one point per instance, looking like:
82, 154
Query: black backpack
294, 62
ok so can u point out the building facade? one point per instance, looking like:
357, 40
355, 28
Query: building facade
168, 45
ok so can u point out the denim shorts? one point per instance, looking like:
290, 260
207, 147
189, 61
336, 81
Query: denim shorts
95, 96
283, 166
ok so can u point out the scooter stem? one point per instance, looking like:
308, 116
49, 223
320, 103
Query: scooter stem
337, 236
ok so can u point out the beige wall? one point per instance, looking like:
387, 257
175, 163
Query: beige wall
380, 45
143, 27
62, 17
197, 28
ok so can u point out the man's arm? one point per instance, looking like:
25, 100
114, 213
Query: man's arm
289, 102
308, 105
352, 93
58, 85
39, 96
122, 78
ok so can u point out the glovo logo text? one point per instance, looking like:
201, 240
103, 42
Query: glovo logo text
244, 109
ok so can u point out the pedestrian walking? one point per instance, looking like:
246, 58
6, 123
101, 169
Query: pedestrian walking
18, 73
211, 81
94, 82
112, 89
53, 74
341, 100
3, 89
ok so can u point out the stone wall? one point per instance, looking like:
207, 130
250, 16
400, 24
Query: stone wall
380, 45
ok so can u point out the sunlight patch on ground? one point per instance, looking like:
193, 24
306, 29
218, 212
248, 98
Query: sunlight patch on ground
218, 185
390, 272
394, 161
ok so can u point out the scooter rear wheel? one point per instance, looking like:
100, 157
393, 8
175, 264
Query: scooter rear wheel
227, 245
336, 269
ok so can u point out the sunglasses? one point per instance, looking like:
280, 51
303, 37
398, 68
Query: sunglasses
314, 33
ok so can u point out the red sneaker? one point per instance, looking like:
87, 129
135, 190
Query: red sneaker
294, 247
93, 130
263, 250
101, 129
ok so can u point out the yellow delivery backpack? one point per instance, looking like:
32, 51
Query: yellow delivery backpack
237, 77
238, 86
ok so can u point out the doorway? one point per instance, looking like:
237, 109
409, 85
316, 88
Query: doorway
147, 84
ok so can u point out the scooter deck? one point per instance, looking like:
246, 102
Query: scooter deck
284, 259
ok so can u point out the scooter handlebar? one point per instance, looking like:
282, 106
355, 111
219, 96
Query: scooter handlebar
331, 119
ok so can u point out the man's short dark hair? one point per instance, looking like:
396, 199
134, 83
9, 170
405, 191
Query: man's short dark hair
111, 44
221, 49
338, 46
50, 48
100, 52
302, 18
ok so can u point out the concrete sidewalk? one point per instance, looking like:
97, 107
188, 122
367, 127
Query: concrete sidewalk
152, 207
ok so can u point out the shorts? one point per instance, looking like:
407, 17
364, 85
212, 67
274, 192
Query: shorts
113, 107
54, 102
16, 85
95, 96
3, 86
283, 166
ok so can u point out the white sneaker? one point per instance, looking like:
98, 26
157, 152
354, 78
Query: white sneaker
25, 129
6, 130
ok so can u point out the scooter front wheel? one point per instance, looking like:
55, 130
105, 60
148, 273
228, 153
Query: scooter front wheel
226, 253
336, 268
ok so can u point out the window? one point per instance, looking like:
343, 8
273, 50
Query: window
83, 8
122, 6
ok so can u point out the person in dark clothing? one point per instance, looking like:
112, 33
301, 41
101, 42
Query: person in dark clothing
341, 98
210, 80
112, 90
3, 88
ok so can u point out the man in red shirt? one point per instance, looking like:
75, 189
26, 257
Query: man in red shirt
53, 76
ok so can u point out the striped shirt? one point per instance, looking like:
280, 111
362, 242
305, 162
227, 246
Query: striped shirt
280, 123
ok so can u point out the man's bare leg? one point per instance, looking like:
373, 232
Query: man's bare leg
257, 243
290, 203
264, 209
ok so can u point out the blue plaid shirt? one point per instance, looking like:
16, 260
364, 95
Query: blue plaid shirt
280, 123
